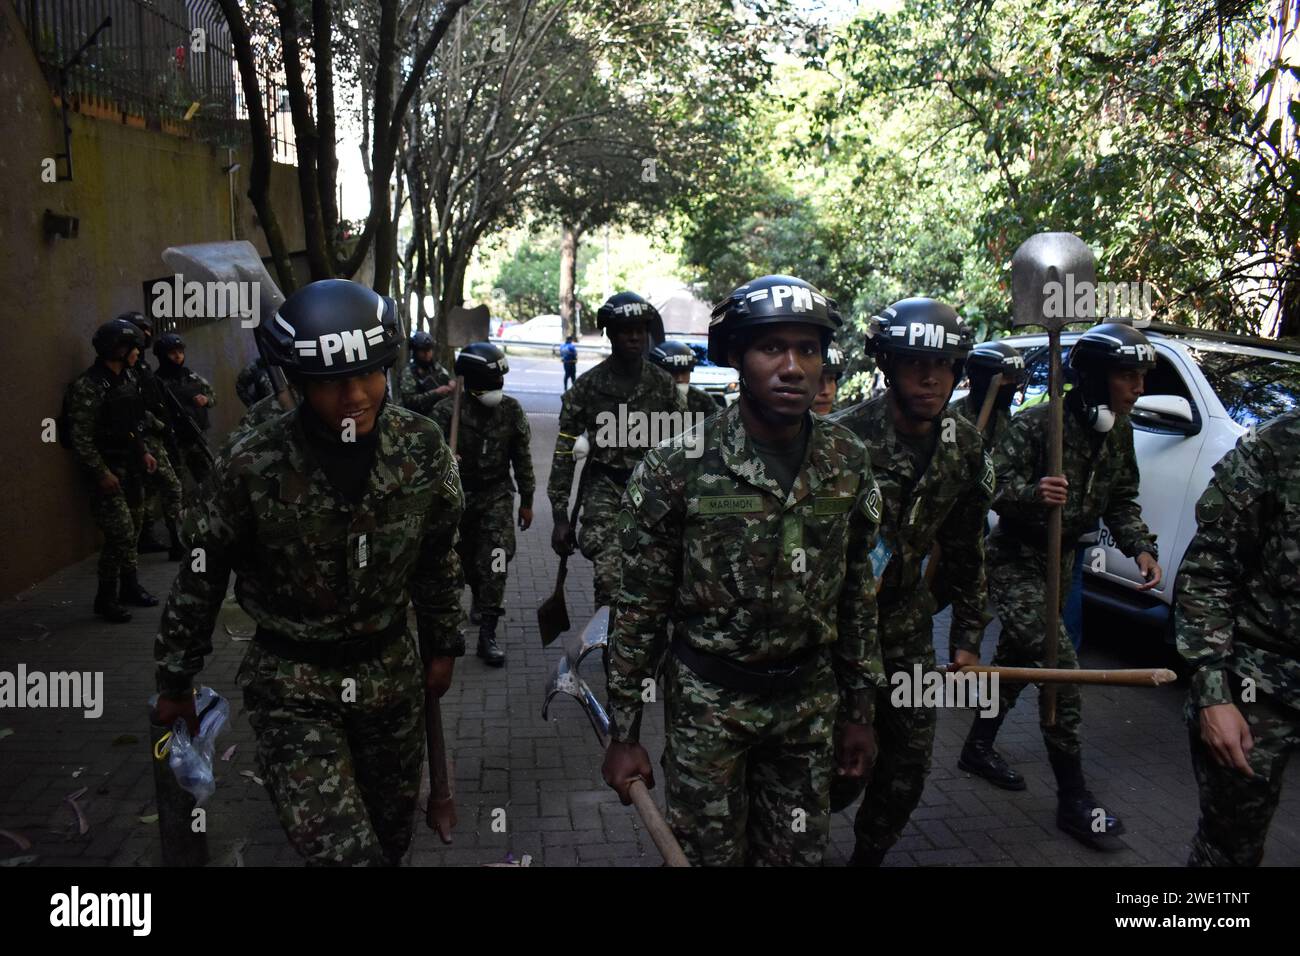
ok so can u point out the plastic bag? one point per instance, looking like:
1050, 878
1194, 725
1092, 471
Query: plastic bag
191, 758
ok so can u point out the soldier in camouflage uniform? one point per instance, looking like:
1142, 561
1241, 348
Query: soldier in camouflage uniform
1100, 482
678, 359
756, 554
164, 495
623, 383
986, 360
493, 437
832, 372
330, 539
253, 383
1238, 608
106, 426
937, 484
423, 382
194, 396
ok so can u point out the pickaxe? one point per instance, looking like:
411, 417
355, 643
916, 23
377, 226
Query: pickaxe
567, 680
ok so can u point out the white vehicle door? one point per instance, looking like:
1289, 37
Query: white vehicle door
1169, 461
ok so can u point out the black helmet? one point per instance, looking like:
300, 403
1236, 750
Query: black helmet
993, 358
1109, 346
141, 322
673, 356
919, 327
834, 364
625, 307
420, 341
333, 328
112, 334
768, 301
166, 342
483, 366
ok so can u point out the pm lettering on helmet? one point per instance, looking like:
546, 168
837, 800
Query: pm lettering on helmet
352, 344
801, 299
931, 336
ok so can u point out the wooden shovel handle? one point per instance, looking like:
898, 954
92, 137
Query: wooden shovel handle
654, 822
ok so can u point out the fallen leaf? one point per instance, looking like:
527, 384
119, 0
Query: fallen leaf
6, 732
83, 826
229, 752
78, 772
149, 818
251, 776
19, 860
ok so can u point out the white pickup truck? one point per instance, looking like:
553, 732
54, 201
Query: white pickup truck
1205, 391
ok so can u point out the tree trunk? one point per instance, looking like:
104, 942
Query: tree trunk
570, 236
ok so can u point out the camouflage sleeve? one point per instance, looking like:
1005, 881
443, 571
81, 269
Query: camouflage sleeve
1123, 516
83, 410
1212, 576
214, 527
440, 414
650, 532
422, 403
856, 654
438, 579
1016, 465
205, 388
521, 458
560, 482
961, 542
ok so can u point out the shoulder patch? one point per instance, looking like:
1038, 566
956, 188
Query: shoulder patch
871, 503
1210, 508
987, 480
451, 480
634, 492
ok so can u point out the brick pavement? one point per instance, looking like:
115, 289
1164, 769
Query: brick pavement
544, 775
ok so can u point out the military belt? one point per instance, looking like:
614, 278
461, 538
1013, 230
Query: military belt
620, 476
332, 654
774, 677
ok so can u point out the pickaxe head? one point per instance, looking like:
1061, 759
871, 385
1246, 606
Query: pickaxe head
228, 262
1045, 272
568, 680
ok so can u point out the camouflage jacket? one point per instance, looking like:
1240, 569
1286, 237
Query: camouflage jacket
308, 566
416, 384
491, 441
254, 383
263, 410
107, 420
184, 385
592, 400
1239, 583
1102, 485
714, 552
993, 431
947, 503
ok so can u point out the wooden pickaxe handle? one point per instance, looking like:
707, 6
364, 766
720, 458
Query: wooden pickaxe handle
1128, 677
657, 826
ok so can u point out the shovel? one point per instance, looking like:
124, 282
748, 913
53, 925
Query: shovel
553, 615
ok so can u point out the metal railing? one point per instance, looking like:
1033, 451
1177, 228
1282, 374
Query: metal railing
147, 63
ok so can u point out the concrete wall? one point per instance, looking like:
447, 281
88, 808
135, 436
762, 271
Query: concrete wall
135, 192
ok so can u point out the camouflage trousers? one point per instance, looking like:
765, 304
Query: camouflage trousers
341, 761
904, 744
1016, 574
164, 496
118, 517
598, 536
748, 777
1235, 809
196, 466
486, 546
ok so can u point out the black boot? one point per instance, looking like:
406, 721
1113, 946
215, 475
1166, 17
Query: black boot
132, 593
979, 757
177, 550
1077, 812
866, 856
487, 642
106, 605
147, 543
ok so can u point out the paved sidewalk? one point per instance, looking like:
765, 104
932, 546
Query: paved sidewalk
543, 775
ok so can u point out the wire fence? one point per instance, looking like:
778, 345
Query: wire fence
167, 62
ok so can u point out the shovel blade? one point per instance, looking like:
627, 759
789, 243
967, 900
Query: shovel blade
227, 262
465, 326
553, 617
1046, 271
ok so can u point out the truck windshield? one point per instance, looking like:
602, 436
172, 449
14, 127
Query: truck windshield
1253, 388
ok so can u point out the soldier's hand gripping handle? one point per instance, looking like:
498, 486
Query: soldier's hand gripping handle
438, 674
855, 749
170, 708
625, 762
1053, 489
562, 537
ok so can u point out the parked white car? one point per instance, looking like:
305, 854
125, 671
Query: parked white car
546, 330
1206, 390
